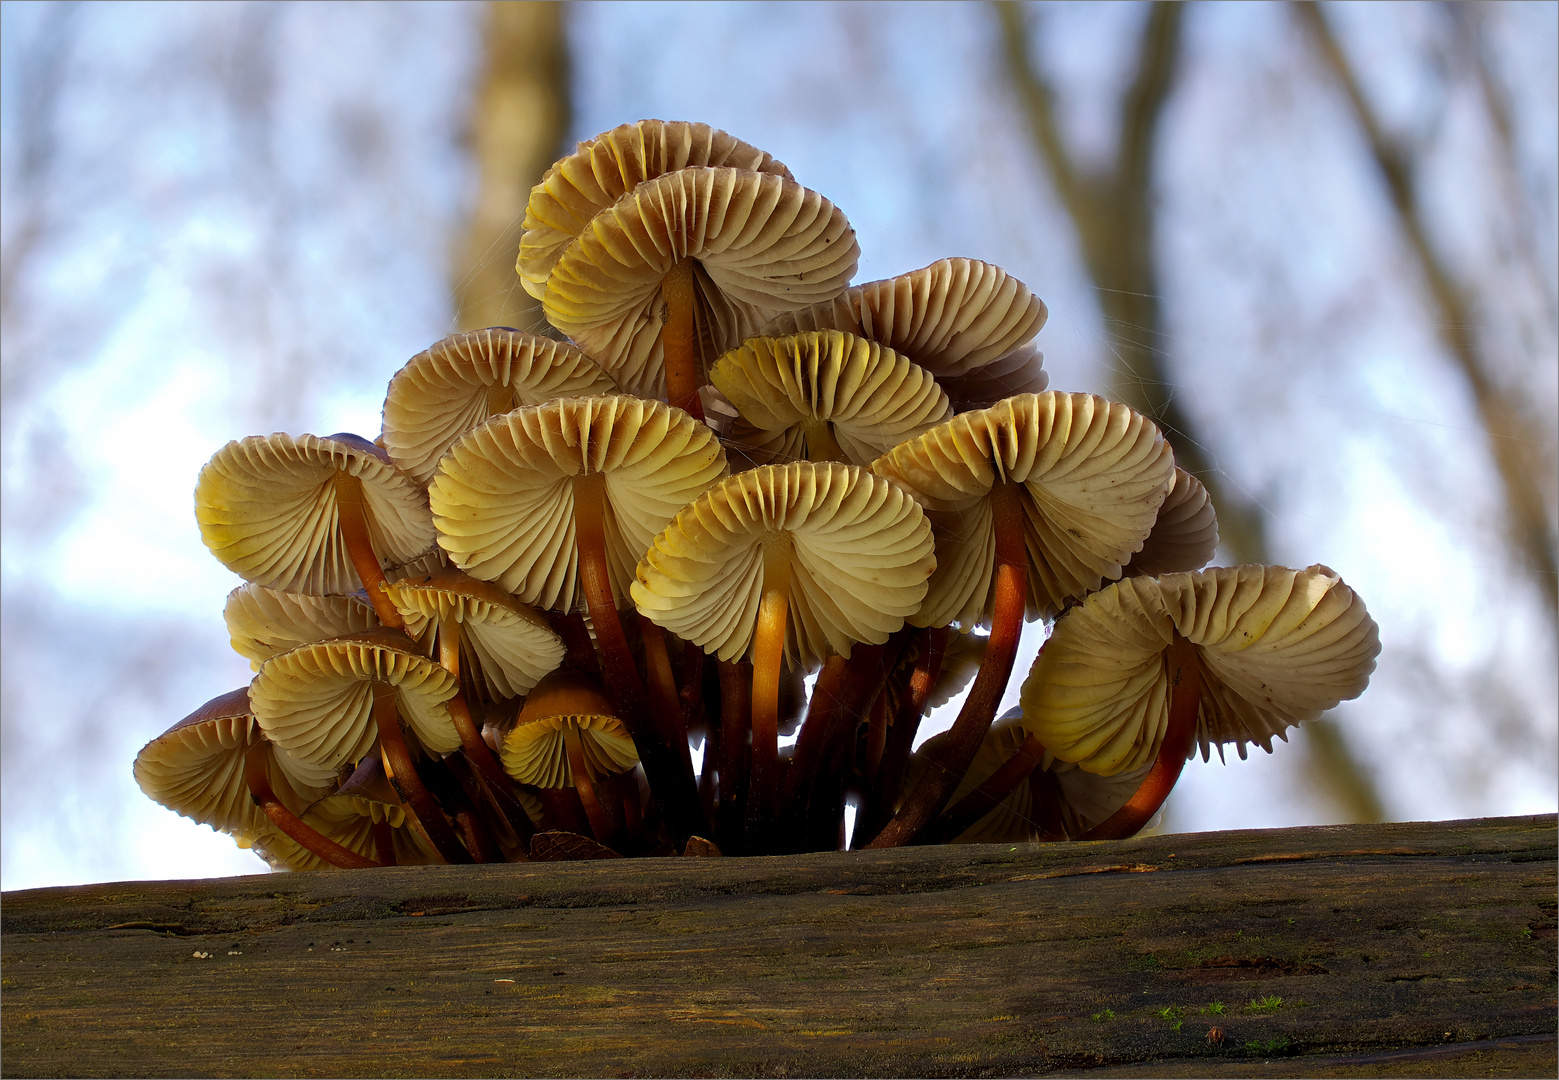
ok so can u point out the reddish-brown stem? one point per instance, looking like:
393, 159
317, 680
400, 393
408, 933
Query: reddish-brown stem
257, 775
384, 842
669, 720
843, 695
985, 798
579, 772
1185, 699
352, 517
735, 755
402, 772
901, 734
768, 652
974, 719
679, 339
570, 626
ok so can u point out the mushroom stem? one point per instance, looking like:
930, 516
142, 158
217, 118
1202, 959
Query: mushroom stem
399, 767
985, 798
257, 776
735, 754
671, 784
1185, 682
901, 735
679, 340
843, 694
600, 823
768, 652
663, 692
974, 719
384, 842
352, 517
820, 442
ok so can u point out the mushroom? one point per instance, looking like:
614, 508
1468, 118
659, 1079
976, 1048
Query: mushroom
697, 255
263, 623
1038, 498
1142, 670
312, 515
1185, 533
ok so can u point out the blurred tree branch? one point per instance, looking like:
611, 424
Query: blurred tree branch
1113, 213
518, 121
1526, 475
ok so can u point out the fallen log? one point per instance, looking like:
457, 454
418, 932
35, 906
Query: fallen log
1423, 949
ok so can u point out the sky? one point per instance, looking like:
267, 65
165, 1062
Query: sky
228, 220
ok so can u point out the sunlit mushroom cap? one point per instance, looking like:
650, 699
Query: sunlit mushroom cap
196, 767
862, 554
1185, 536
967, 322
762, 244
607, 167
868, 397
504, 494
1276, 647
1094, 474
460, 382
267, 510
316, 701
512, 644
534, 751
263, 623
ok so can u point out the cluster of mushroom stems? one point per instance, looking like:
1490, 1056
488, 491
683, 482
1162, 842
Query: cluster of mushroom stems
723, 500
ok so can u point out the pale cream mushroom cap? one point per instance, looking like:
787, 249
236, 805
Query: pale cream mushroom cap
1093, 472
1185, 535
462, 381
316, 701
869, 397
967, 322
503, 497
349, 821
1276, 648
513, 645
267, 509
761, 244
263, 623
862, 554
534, 751
607, 167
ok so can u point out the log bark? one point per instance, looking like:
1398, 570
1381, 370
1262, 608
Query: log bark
1380, 950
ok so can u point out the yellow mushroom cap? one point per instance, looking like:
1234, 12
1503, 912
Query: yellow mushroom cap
761, 244
1185, 534
503, 497
349, 821
607, 167
534, 751
862, 555
267, 510
1276, 647
867, 397
316, 701
263, 623
462, 381
1093, 476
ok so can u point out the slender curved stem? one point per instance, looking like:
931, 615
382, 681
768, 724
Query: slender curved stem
1185, 681
669, 720
402, 772
352, 516
679, 340
384, 842
901, 734
768, 653
579, 772
257, 776
985, 798
735, 753
974, 719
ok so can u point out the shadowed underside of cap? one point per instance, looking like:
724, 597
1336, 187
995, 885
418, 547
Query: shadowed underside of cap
263, 623
534, 752
1185, 534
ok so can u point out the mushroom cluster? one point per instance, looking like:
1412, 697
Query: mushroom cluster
500, 629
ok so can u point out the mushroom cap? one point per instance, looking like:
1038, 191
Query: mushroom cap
503, 497
263, 623
196, 767
761, 244
607, 167
512, 644
349, 821
267, 509
316, 701
953, 318
1276, 647
869, 396
862, 554
462, 381
1185, 535
1094, 474
534, 751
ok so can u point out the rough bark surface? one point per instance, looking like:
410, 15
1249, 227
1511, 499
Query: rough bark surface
1378, 950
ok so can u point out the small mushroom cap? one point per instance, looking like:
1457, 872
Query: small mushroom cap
954, 318
761, 244
267, 510
316, 701
1094, 474
862, 554
263, 623
349, 821
1276, 647
1185, 535
503, 497
607, 167
869, 397
462, 381
196, 767
534, 751
513, 645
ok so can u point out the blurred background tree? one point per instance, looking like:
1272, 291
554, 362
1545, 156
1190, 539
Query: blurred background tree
1318, 244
